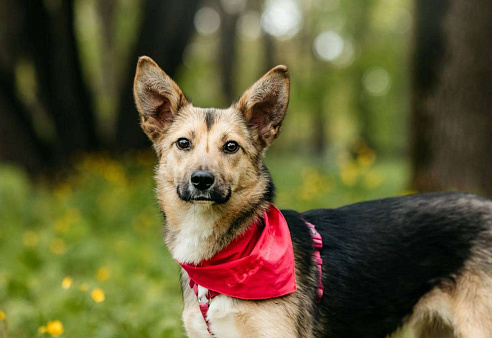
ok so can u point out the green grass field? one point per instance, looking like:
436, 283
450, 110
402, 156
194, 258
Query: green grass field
85, 257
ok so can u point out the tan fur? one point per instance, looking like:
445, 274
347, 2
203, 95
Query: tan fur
462, 309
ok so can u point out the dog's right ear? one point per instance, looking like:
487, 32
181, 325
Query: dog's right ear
157, 96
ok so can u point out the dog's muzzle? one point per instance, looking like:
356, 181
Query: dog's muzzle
203, 186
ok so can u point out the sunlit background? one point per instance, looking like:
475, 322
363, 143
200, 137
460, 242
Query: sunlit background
370, 116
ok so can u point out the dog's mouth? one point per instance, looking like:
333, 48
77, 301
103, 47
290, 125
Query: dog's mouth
213, 196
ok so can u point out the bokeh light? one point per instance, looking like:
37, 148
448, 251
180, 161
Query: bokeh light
207, 21
282, 19
328, 46
233, 6
249, 25
376, 81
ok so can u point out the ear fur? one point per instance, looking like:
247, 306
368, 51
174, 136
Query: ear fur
157, 97
265, 103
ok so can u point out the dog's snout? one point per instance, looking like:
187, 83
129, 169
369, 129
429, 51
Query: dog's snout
202, 180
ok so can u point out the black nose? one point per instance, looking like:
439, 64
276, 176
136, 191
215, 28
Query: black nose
202, 180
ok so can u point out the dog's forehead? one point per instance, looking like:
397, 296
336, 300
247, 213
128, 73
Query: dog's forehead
213, 120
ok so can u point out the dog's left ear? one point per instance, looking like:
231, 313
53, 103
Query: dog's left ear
264, 104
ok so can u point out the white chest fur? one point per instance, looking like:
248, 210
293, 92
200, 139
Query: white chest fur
193, 237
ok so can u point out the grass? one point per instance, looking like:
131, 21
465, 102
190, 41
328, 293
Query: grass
85, 257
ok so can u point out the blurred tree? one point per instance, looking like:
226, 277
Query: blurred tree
46, 38
227, 50
317, 85
167, 26
452, 96
107, 12
39, 37
18, 140
360, 100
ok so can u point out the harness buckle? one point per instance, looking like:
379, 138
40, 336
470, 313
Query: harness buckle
203, 299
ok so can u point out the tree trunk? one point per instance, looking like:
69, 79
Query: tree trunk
19, 143
227, 53
107, 12
361, 100
452, 96
42, 33
50, 42
166, 28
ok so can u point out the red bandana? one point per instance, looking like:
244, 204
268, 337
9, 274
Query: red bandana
259, 264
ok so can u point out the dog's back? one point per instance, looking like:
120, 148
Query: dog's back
421, 259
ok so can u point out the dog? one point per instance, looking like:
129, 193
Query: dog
420, 262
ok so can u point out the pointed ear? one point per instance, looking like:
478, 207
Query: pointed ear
265, 103
157, 96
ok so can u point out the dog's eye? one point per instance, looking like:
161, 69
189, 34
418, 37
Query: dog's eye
183, 143
231, 147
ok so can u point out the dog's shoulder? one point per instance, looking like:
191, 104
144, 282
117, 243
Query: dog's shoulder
301, 240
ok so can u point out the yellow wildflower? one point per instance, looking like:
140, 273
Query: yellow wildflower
103, 274
58, 247
84, 287
349, 174
70, 217
30, 238
366, 157
67, 282
114, 172
54, 328
98, 295
62, 226
2, 315
42, 329
373, 180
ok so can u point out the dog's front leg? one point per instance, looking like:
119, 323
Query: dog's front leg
222, 317
194, 323
230, 318
255, 319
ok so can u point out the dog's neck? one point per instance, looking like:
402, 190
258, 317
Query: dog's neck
195, 239
203, 231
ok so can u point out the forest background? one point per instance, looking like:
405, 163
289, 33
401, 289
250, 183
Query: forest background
388, 97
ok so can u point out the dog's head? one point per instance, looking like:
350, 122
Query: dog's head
210, 157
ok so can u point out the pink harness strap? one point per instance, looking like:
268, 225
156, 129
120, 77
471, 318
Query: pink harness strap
318, 245
204, 304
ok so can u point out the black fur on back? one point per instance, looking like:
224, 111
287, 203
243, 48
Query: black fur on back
380, 257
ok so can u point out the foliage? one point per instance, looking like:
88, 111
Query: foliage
85, 257
360, 94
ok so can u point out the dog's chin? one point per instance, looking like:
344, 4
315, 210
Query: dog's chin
204, 198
